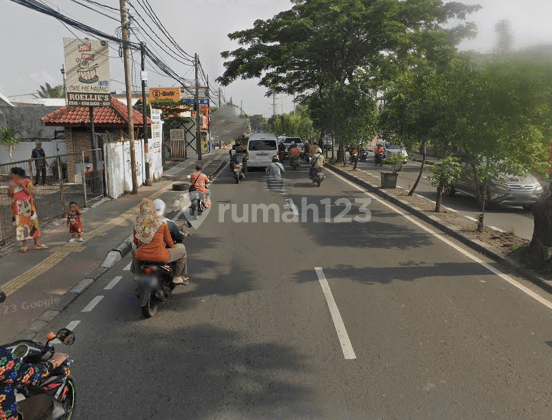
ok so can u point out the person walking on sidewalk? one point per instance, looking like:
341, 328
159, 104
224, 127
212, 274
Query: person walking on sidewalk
74, 222
25, 219
152, 238
40, 162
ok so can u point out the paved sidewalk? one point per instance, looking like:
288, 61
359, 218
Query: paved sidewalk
36, 280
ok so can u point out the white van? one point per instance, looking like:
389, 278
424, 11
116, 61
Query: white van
262, 147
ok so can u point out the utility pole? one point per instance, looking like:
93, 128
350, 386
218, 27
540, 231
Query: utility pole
273, 103
219, 96
198, 121
126, 60
144, 77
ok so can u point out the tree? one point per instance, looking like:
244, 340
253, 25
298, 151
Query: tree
48, 91
445, 174
504, 36
497, 114
320, 45
9, 138
171, 113
413, 109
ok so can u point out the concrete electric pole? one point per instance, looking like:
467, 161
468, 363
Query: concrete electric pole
197, 108
126, 60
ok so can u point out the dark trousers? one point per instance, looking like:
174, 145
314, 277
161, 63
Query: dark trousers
37, 407
39, 171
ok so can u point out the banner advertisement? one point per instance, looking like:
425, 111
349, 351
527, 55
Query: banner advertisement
87, 72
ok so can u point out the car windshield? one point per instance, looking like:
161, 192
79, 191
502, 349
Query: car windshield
262, 145
525, 178
393, 147
292, 139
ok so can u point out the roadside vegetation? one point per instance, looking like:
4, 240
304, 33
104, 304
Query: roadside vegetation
392, 68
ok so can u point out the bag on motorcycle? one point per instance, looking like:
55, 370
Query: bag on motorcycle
37, 407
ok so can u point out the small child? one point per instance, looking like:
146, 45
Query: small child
74, 222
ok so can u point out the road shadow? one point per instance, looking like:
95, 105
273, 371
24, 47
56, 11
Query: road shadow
405, 271
193, 372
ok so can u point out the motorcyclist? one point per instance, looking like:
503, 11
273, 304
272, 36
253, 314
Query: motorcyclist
294, 153
14, 372
282, 151
199, 182
177, 234
379, 151
275, 171
239, 155
317, 162
306, 151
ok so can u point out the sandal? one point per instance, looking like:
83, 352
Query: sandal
41, 246
23, 249
184, 281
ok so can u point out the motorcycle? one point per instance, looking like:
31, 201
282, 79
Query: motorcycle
237, 166
378, 159
294, 163
363, 155
155, 285
198, 203
317, 176
60, 386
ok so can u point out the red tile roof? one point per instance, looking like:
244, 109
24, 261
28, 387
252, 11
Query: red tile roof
116, 115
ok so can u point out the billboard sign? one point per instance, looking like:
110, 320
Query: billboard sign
87, 72
156, 94
190, 92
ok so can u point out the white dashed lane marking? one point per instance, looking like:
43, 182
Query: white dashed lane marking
113, 283
92, 304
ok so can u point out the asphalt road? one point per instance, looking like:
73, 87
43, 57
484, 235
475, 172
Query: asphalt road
507, 218
394, 324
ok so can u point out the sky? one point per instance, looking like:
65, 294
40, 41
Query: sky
32, 43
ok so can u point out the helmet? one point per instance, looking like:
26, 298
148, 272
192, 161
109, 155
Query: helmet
199, 167
293, 144
275, 159
319, 151
159, 206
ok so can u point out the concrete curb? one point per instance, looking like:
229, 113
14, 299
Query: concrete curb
451, 231
115, 255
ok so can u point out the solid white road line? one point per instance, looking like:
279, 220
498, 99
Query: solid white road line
92, 304
127, 268
113, 283
439, 236
346, 346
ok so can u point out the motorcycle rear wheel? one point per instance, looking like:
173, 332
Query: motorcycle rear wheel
149, 309
70, 399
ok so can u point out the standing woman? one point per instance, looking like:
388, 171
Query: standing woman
25, 219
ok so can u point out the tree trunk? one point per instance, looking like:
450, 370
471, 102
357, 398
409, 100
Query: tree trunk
539, 252
11, 152
439, 200
483, 200
424, 152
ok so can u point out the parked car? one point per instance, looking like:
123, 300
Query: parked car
508, 190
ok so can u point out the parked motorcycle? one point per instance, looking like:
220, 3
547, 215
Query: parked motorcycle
60, 386
363, 155
317, 176
155, 285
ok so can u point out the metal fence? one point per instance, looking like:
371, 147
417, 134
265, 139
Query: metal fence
57, 181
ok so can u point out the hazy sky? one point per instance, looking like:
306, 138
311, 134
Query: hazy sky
32, 48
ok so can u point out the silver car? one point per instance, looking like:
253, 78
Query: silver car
510, 190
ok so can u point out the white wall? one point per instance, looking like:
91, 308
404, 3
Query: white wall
23, 150
118, 168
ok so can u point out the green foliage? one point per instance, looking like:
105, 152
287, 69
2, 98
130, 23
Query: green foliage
395, 161
48, 91
8, 136
446, 172
298, 125
171, 111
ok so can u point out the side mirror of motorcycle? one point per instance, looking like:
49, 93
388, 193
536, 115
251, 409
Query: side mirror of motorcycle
66, 336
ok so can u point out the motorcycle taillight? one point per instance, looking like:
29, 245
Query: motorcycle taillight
237, 166
148, 271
